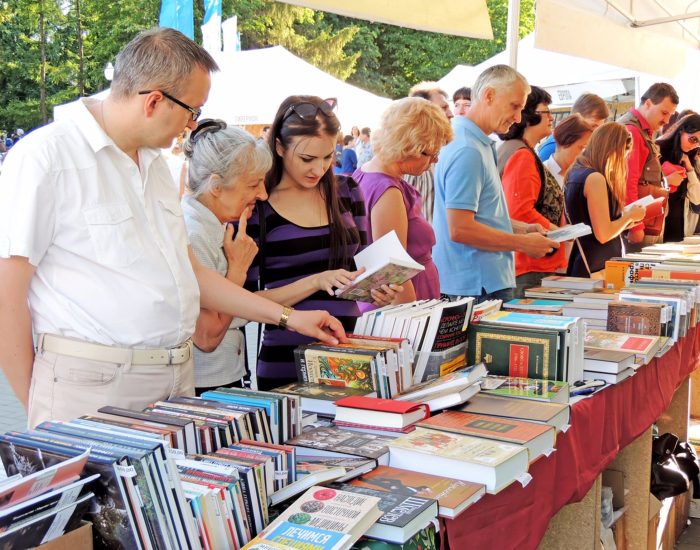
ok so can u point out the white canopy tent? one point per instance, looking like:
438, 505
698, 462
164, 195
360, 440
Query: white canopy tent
251, 85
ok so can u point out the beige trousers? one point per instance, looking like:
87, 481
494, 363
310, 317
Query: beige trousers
64, 388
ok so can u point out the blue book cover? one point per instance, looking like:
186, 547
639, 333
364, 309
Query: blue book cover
531, 319
312, 538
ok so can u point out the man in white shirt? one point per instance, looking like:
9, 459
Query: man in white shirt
94, 256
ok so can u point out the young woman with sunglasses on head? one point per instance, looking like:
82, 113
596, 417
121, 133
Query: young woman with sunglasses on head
598, 178
307, 232
679, 147
412, 132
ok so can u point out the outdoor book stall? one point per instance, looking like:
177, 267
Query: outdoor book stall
560, 507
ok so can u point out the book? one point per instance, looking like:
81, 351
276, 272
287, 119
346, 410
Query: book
603, 360
370, 429
636, 318
354, 466
338, 442
321, 398
644, 347
374, 411
538, 439
485, 308
552, 293
453, 495
446, 331
535, 304
569, 232
554, 414
493, 463
576, 283
385, 262
459, 378
553, 391
610, 378
425, 539
653, 205
402, 515
322, 519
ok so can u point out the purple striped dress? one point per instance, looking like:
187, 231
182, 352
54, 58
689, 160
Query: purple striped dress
291, 253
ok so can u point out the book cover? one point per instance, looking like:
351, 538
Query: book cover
509, 351
342, 441
527, 388
386, 262
540, 304
323, 519
554, 293
603, 360
453, 495
465, 376
509, 430
354, 466
350, 368
578, 283
321, 398
381, 405
569, 232
635, 318
554, 414
618, 341
425, 539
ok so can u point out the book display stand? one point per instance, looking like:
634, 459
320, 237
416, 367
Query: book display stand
561, 507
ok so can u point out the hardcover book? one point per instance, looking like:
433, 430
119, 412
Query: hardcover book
321, 398
603, 360
554, 414
577, 283
322, 519
474, 459
386, 262
537, 438
644, 347
374, 411
453, 495
338, 442
403, 515
526, 388
635, 318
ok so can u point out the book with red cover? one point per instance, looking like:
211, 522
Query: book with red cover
375, 411
453, 495
538, 438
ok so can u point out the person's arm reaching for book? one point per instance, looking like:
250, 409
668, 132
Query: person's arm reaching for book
17, 353
387, 214
219, 294
464, 229
604, 229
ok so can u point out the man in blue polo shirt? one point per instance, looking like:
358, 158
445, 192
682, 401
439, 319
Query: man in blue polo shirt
475, 235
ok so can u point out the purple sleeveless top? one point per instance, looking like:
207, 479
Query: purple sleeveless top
420, 239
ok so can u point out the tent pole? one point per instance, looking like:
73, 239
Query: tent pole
513, 32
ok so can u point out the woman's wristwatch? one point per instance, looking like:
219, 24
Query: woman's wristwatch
284, 319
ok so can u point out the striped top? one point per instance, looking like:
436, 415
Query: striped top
293, 252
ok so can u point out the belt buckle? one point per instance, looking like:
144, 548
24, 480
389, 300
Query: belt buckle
170, 356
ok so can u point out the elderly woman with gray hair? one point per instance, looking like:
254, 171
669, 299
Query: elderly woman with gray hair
226, 174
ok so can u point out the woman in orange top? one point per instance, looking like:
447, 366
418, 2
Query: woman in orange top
532, 193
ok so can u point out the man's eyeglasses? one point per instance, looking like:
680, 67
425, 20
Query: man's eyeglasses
308, 111
195, 112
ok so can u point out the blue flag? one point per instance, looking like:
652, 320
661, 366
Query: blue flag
178, 14
211, 26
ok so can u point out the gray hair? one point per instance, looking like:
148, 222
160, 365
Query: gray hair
158, 59
498, 77
224, 152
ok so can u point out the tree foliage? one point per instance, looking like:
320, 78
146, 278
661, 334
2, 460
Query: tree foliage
381, 58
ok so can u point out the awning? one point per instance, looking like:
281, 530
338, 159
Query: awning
459, 17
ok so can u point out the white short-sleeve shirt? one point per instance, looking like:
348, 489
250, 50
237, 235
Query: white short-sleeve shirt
106, 236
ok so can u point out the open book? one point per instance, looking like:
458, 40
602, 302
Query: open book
385, 262
653, 205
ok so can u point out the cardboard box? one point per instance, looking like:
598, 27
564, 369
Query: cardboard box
77, 539
615, 479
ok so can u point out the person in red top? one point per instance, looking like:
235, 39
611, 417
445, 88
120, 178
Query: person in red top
532, 192
643, 167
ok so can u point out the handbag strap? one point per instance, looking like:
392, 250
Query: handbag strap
262, 225
578, 241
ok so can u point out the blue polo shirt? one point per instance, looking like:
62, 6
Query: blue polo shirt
466, 178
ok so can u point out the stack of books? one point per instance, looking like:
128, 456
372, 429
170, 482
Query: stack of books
611, 366
546, 347
44, 497
552, 391
592, 307
536, 305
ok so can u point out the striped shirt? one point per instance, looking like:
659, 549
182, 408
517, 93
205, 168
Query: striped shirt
293, 252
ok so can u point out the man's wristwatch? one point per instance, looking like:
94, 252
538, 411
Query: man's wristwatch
284, 319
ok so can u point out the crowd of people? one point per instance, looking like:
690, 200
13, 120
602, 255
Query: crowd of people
117, 290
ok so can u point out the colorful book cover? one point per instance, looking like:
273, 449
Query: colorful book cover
491, 427
534, 303
527, 388
425, 539
618, 341
341, 368
342, 441
635, 318
453, 495
530, 320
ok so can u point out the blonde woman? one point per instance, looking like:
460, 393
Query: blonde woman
598, 178
412, 132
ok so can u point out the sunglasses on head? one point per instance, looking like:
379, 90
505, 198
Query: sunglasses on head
308, 111
207, 126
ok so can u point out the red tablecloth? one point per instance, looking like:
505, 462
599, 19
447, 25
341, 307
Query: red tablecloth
600, 427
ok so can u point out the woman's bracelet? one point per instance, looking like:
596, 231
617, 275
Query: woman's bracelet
284, 319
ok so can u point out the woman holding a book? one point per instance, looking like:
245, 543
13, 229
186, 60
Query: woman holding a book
307, 232
679, 151
411, 134
532, 192
597, 178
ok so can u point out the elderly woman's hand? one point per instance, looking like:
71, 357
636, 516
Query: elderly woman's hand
241, 250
